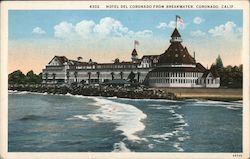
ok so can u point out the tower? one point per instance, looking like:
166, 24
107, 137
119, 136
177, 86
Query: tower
134, 55
175, 37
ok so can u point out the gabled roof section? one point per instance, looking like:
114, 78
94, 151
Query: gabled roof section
213, 71
201, 67
176, 33
205, 74
61, 59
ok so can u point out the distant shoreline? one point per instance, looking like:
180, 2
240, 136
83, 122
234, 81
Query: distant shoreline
218, 94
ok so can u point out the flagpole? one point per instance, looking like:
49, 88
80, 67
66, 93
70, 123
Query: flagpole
176, 21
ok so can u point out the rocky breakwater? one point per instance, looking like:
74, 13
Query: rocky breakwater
105, 91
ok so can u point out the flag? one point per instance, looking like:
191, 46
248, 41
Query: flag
136, 42
179, 18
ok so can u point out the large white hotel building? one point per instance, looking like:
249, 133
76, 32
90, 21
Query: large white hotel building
174, 68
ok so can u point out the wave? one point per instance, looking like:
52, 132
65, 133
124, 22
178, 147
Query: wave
150, 146
123, 115
172, 111
183, 138
179, 133
177, 146
164, 136
147, 100
25, 92
234, 105
17, 92
82, 117
120, 147
31, 117
233, 108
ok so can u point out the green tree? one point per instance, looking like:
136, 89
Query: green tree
31, 78
16, 77
232, 77
219, 64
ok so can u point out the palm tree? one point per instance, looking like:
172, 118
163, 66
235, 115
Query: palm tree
76, 74
98, 76
46, 77
112, 75
121, 74
79, 58
131, 76
68, 76
54, 77
138, 76
117, 60
89, 73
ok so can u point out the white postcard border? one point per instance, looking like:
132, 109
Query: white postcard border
34, 5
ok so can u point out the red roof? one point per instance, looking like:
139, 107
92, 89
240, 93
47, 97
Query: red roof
176, 54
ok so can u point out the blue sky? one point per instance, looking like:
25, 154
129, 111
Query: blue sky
80, 32
21, 23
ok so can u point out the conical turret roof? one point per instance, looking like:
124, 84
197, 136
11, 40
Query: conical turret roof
176, 33
134, 53
176, 54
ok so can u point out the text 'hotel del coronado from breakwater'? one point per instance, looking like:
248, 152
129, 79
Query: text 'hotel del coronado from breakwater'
174, 68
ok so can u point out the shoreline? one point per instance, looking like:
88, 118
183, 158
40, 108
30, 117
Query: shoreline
119, 92
219, 94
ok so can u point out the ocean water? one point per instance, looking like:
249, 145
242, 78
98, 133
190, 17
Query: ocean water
67, 123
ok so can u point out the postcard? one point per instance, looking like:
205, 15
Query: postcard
124, 79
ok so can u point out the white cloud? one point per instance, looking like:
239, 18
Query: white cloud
110, 26
144, 33
63, 30
171, 24
38, 30
84, 28
107, 27
228, 29
162, 25
197, 33
198, 20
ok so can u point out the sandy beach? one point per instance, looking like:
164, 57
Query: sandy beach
207, 93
